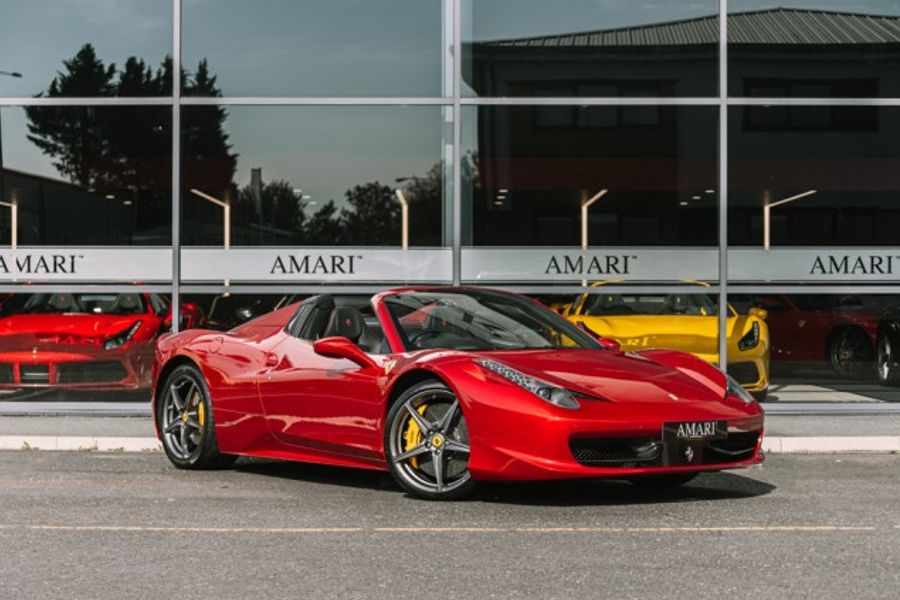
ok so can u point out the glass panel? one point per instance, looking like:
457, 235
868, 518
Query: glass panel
86, 48
318, 47
828, 348
222, 312
313, 176
616, 178
82, 345
809, 185
86, 176
588, 48
814, 48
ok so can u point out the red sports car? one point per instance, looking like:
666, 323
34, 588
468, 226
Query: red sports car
91, 341
445, 387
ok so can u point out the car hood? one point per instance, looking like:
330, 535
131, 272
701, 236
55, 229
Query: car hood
614, 376
698, 334
20, 331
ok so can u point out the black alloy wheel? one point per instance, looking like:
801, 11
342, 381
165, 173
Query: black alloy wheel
427, 443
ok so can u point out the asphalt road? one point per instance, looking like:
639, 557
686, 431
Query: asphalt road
90, 525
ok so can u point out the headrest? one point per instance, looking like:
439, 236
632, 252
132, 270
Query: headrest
345, 321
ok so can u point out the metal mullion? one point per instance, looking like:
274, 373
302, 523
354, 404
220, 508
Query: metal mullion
375, 288
590, 101
176, 165
723, 185
83, 287
814, 101
316, 101
812, 288
457, 142
106, 101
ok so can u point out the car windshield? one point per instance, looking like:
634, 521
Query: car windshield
97, 304
649, 304
479, 320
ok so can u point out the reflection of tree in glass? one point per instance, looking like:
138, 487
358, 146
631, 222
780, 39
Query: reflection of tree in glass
127, 148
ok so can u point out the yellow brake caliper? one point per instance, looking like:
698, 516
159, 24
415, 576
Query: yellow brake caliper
413, 436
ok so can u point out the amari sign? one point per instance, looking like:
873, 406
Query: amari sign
814, 264
317, 265
487, 265
69, 265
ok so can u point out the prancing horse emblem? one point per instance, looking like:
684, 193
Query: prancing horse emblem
689, 454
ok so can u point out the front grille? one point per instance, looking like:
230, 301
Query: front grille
737, 446
745, 373
627, 452
616, 452
90, 372
6, 373
34, 373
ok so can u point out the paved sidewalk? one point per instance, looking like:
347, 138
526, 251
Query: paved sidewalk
785, 434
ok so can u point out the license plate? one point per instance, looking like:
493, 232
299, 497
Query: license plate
695, 430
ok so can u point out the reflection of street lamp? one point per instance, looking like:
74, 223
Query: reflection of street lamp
15, 75
404, 218
767, 214
226, 219
13, 222
585, 205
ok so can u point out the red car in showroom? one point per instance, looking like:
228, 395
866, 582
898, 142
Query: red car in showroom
445, 387
91, 341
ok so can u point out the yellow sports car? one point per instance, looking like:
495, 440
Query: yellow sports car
687, 322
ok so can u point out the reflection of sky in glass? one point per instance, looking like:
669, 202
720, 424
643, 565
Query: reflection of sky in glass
318, 47
326, 151
499, 19
873, 7
35, 37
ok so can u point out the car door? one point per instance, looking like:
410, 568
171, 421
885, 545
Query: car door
324, 405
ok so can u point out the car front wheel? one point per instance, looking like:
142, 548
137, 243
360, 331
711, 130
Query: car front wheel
887, 360
427, 443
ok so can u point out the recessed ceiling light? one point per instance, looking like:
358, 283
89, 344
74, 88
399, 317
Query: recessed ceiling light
503, 191
683, 203
126, 202
695, 197
710, 191
110, 197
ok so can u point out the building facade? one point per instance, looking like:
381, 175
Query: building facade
672, 174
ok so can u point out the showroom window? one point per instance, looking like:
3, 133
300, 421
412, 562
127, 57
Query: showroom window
632, 163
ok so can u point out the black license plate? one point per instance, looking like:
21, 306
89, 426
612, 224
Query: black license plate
689, 431
685, 442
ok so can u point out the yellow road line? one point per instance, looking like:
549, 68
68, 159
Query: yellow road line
304, 530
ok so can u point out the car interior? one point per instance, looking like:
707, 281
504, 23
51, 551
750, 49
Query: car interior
351, 317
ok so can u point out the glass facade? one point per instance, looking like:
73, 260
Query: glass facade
637, 165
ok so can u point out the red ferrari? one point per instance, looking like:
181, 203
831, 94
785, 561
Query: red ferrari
92, 341
445, 387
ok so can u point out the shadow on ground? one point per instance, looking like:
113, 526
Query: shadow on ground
588, 492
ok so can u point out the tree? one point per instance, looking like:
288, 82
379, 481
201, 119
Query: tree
373, 217
324, 228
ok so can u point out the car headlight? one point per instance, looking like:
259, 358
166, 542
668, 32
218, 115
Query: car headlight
119, 340
750, 339
548, 392
736, 389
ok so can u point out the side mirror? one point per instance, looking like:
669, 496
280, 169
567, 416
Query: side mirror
341, 347
755, 311
605, 342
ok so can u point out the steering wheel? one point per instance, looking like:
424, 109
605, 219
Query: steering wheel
417, 337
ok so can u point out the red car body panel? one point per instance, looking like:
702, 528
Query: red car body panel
66, 350
273, 396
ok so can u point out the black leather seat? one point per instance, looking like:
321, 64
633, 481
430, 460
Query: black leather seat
345, 321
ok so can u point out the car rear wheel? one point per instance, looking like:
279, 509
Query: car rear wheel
662, 482
427, 443
185, 421
887, 360
850, 352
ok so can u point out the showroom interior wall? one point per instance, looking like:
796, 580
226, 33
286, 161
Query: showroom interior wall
464, 107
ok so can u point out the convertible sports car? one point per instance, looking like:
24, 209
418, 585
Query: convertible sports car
445, 387
687, 322
93, 341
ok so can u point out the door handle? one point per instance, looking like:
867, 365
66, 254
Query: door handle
271, 359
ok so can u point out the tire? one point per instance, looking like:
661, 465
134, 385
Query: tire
761, 396
886, 360
662, 482
426, 443
850, 352
185, 420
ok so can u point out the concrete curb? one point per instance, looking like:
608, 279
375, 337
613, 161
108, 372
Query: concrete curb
83, 443
771, 445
